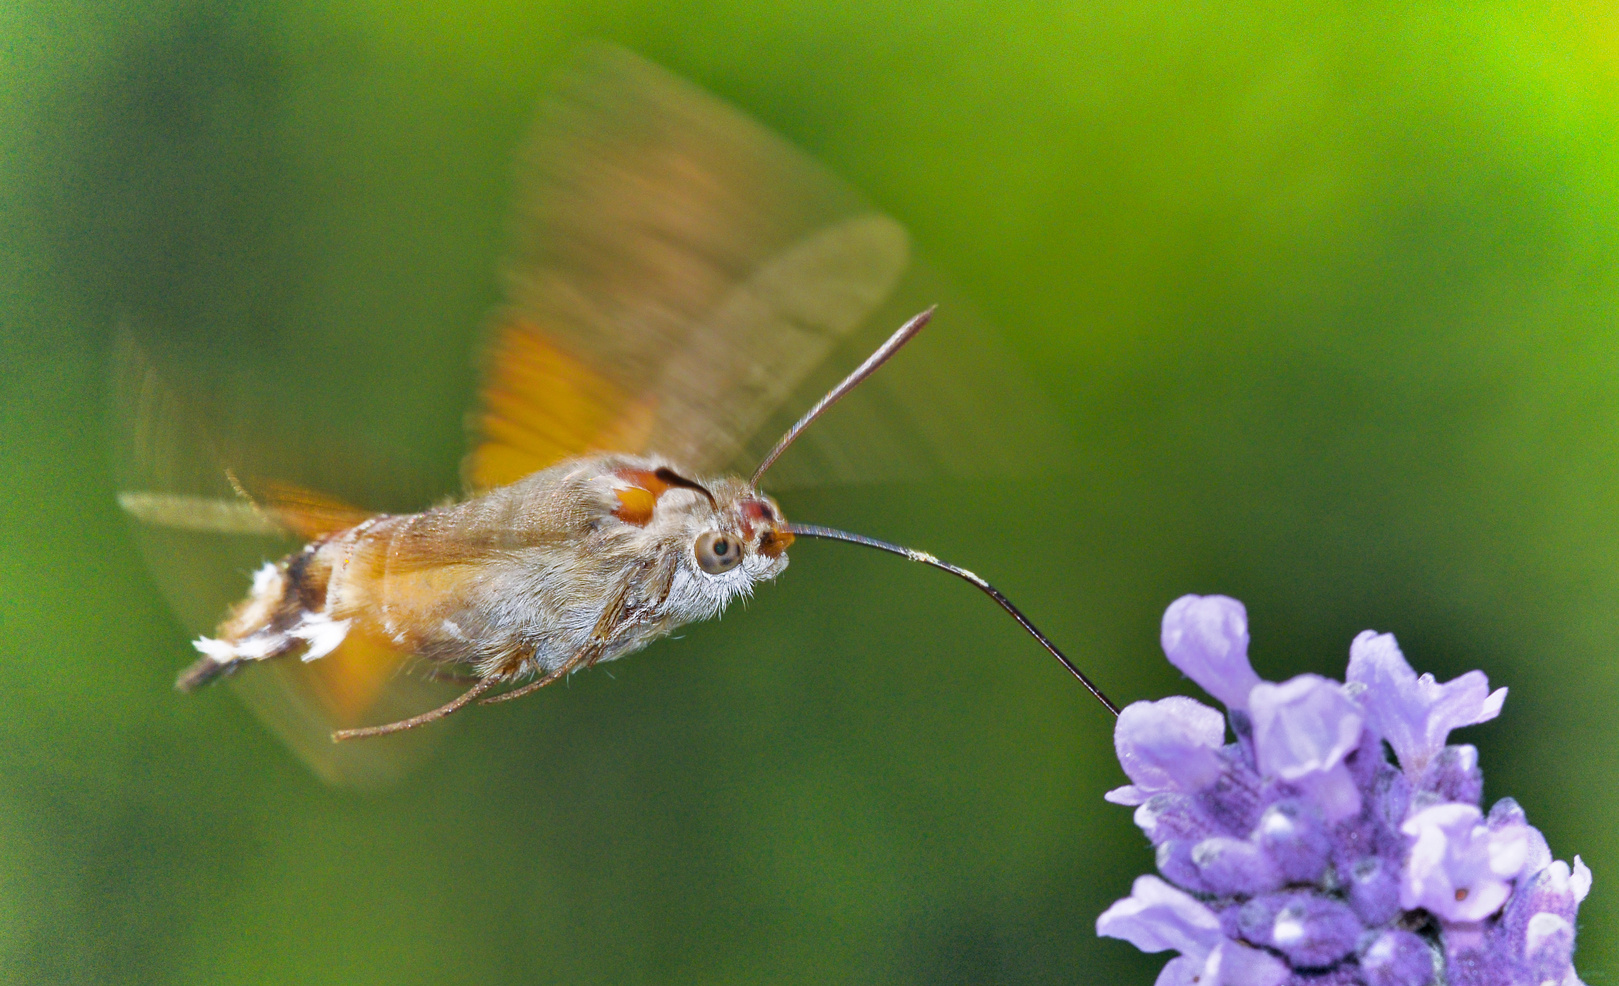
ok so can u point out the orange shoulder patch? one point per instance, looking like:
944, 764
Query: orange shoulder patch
639, 499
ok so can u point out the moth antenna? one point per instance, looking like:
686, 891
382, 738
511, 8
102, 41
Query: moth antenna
861, 372
832, 534
433, 715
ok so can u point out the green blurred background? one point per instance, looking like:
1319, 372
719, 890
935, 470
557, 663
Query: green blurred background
1326, 294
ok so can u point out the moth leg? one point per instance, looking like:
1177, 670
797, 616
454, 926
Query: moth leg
577, 660
454, 705
609, 623
623, 614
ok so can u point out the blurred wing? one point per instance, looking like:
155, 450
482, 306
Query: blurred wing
768, 335
683, 280
363, 682
205, 514
953, 404
664, 283
279, 508
201, 537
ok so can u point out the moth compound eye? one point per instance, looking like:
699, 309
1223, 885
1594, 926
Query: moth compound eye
717, 552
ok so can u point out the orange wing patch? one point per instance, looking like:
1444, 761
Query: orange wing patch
361, 682
350, 679
541, 405
305, 512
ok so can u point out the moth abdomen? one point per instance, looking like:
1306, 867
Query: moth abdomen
284, 612
201, 672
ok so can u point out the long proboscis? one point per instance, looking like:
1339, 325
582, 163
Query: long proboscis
861, 372
910, 554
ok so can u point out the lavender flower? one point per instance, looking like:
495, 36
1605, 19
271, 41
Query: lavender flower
1416, 714
1300, 854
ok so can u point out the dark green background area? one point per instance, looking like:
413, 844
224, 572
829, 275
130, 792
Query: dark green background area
1326, 294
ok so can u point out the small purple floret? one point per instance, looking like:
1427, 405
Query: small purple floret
1458, 869
1207, 638
1172, 745
1300, 855
1396, 958
1416, 714
1303, 726
1295, 838
1157, 917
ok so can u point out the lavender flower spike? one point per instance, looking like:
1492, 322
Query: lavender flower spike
1301, 856
1416, 714
1207, 638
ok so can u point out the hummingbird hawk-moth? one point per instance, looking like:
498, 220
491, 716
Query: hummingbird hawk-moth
679, 276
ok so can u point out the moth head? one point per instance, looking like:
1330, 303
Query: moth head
743, 532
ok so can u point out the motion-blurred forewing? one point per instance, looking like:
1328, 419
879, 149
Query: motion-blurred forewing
668, 257
201, 538
685, 282
767, 335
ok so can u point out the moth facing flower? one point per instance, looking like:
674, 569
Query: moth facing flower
1301, 854
679, 278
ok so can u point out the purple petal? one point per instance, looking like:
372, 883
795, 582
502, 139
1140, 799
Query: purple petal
1170, 745
1397, 958
1295, 838
1236, 964
1184, 971
1580, 880
1311, 930
1416, 714
1230, 964
1333, 792
1156, 916
1129, 795
1303, 726
1207, 638
1230, 867
1459, 868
